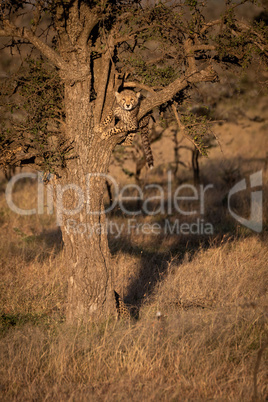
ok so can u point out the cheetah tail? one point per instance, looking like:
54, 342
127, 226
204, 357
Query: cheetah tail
147, 147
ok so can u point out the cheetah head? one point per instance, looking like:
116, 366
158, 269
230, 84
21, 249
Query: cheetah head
127, 99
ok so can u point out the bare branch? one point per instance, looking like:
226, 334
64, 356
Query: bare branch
261, 47
242, 26
90, 20
206, 75
245, 27
104, 74
162, 96
197, 48
190, 56
37, 16
112, 86
262, 41
182, 128
73, 26
134, 84
130, 36
24, 33
209, 25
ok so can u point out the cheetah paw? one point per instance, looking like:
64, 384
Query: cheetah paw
98, 129
104, 135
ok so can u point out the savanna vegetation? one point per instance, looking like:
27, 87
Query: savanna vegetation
198, 298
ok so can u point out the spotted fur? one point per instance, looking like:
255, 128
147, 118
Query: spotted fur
144, 129
126, 111
123, 311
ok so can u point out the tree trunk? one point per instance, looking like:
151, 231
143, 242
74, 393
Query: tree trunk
80, 212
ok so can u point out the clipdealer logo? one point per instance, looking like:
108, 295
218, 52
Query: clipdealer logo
167, 200
255, 221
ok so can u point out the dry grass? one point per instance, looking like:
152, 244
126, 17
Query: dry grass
209, 341
203, 346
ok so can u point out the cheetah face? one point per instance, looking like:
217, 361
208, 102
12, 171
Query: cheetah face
127, 99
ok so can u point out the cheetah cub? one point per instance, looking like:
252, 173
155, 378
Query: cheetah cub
126, 110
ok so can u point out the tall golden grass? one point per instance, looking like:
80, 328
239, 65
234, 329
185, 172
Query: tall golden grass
201, 332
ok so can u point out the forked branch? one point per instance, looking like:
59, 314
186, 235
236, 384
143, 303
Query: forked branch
182, 128
9, 29
166, 94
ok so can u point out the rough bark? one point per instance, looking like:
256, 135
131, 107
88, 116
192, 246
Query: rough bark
90, 281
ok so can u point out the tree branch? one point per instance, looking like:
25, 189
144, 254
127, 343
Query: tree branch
242, 26
10, 29
206, 75
130, 36
134, 84
189, 51
112, 86
90, 20
197, 48
261, 45
73, 25
182, 128
104, 73
210, 24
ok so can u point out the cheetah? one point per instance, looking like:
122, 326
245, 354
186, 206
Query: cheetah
125, 311
126, 111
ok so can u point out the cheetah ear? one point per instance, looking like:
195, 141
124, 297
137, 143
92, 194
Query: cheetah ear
138, 94
116, 94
